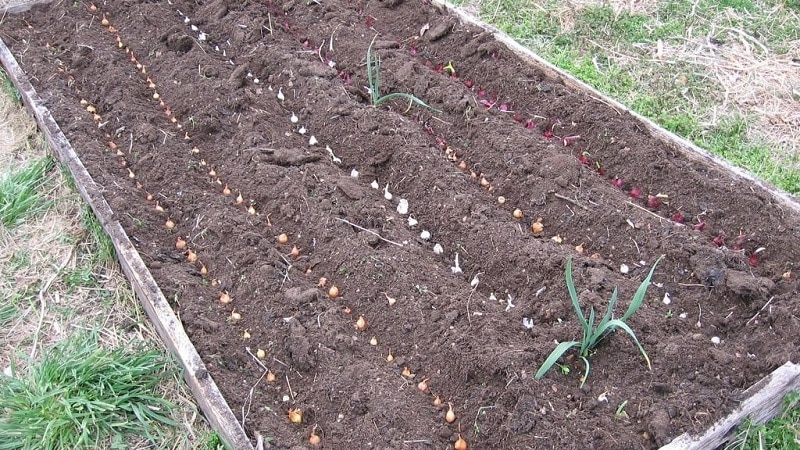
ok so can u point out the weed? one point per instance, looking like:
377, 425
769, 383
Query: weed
80, 395
374, 80
103, 246
19, 188
8, 87
592, 335
8, 311
781, 432
620, 411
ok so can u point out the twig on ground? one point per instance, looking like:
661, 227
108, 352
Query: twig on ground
255, 358
573, 201
654, 214
291, 392
369, 231
760, 310
475, 423
248, 402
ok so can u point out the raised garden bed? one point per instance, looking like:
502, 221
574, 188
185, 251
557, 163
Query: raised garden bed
226, 140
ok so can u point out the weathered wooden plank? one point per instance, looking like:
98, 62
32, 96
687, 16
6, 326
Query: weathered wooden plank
762, 402
169, 328
18, 6
687, 148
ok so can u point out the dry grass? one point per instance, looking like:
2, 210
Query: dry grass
753, 79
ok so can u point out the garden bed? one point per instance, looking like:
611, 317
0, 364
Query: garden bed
217, 130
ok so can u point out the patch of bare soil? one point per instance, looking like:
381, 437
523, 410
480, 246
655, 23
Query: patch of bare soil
217, 128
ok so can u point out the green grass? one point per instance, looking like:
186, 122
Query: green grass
20, 190
782, 432
612, 51
8, 87
79, 395
593, 333
212, 441
103, 248
8, 311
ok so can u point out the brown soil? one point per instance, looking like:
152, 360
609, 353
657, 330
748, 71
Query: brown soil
218, 70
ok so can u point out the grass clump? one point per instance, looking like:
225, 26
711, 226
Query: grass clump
781, 432
80, 395
374, 80
19, 190
593, 334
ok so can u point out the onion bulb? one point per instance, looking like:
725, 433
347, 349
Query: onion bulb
191, 256
333, 292
131, 174
295, 251
270, 376
251, 210
261, 354
226, 190
437, 401
322, 281
389, 357
282, 238
391, 300
501, 200
180, 244
517, 213
203, 270
484, 182
407, 372
450, 416
159, 208
104, 21
460, 444
246, 334
224, 297
295, 415
239, 199
537, 227
423, 385
149, 196
346, 310
361, 323
235, 315
462, 165
170, 224
92, 7
374, 341
314, 439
